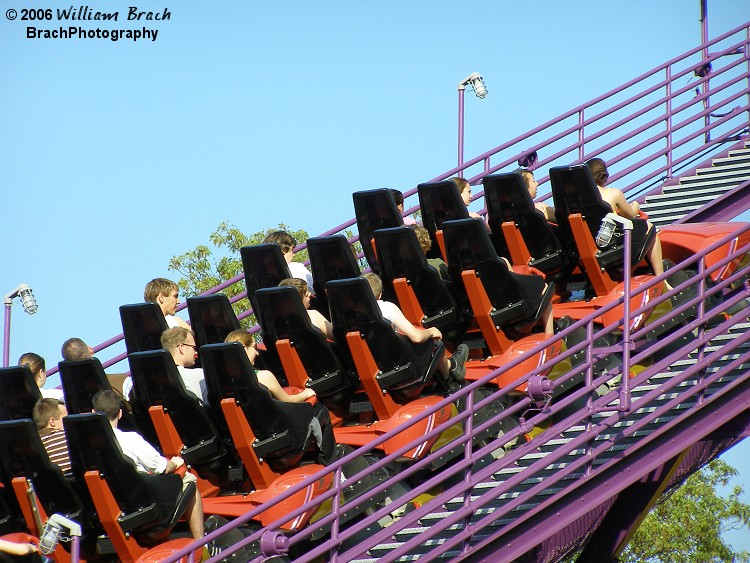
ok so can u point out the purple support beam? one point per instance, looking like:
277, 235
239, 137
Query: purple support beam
6, 337
723, 208
460, 128
593, 492
626, 514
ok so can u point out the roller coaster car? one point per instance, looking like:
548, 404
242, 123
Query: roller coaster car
425, 298
521, 233
305, 356
679, 242
18, 393
394, 372
40, 489
183, 426
211, 318
506, 305
310, 361
374, 209
331, 258
273, 438
142, 326
580, 210
120, 505
81, 380
440, 202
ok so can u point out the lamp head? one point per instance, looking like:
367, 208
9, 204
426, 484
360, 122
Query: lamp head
477, 84
27, 298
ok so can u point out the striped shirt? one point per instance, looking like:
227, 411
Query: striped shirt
56, 445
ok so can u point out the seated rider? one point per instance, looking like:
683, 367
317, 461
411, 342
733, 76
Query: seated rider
48, 415
287, 244
145, 457
398, 197
317, 318
450, 368
38, 369
165, 294
180, 343
327, 450
531, 186
425, 243
616, 199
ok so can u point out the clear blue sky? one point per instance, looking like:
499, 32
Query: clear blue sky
116, 156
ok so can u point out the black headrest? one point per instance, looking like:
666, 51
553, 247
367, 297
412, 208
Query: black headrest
439, 202
81, 380
374, 209
506, 196
211, 318
264, 266
331, 258
18, 393
142, 325
574, 191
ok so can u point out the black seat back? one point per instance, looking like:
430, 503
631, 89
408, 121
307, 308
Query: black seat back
81, 380
22, 454
402, 257
508, 200
374, 209
574, 191
18, 393
283, 316
149, 505
331, 258
516, 298
281, 429
211, 318
142, 325
405, 368
440, 202
158, 381
264, 266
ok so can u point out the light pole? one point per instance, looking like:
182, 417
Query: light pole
29, 305
477, 84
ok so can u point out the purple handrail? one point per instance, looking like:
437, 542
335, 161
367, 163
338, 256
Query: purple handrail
599, 405
619, 403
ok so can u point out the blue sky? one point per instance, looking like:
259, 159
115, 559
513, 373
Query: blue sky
117, 156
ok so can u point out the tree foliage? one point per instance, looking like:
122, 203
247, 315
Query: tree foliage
686, 525
206, 266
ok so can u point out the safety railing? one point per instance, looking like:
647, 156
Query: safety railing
649, 128
601, 415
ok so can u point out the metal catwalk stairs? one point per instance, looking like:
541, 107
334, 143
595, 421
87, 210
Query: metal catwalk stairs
618, 446
692, 192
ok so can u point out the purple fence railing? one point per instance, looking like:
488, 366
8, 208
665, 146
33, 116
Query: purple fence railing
681, 390
650, 127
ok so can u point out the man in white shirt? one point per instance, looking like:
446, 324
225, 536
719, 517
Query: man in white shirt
145, 457
165, 294
450, 368
180, 343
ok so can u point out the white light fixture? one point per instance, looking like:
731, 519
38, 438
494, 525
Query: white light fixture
27, 298
29, 305
476, 82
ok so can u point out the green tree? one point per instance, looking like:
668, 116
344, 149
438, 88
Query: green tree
205, 267
686, 525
